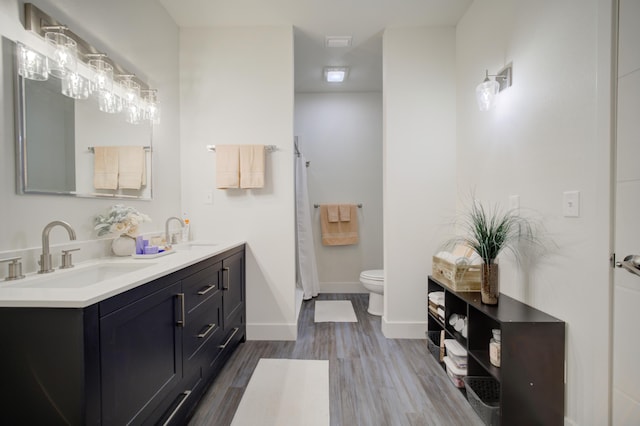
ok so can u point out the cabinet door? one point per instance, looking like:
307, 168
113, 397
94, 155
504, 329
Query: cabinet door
233, 291
141, 356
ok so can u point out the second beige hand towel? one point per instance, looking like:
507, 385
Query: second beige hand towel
227, 166
252, 161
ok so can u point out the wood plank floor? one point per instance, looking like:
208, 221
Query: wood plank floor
373, 381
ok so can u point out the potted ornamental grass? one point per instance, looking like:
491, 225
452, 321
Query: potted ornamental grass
490, 232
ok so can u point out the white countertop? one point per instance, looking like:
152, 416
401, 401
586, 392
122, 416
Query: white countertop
41, 290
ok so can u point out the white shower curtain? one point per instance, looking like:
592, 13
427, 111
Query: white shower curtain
306, 268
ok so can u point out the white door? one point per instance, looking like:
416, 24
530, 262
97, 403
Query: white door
626, 334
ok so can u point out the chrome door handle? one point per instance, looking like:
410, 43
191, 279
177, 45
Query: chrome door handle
235, 330
228, 271
206, 289
631, 263
182, 321
210, 327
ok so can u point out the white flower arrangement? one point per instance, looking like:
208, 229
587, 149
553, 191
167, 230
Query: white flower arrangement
120, 220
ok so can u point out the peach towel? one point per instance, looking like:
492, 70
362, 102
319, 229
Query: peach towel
227, 166
131, 167
333, 214
105, 167
252, 160
345, 212
339, 233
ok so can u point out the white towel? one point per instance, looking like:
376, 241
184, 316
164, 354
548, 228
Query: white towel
105, 167
227, 166
252, 161
131, 167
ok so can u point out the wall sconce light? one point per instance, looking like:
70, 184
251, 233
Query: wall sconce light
335, 74
487, 90
82, 69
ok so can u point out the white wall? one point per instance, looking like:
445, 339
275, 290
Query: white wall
144, 40
548, 134
341, 135
237, 88
419, 167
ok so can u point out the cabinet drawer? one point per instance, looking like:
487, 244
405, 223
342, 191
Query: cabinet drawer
203, 326
201, 286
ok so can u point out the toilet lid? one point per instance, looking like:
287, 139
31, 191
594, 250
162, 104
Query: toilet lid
374, 274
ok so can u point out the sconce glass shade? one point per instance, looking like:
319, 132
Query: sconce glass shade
109, 102
63, 56
152, 106
131, 101
31, 64
486, 93
75, 86
102, 77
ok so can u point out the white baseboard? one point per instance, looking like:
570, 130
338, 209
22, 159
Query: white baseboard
272, 331
403, 330
345, 287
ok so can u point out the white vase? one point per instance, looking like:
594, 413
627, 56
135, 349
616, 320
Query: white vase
123, 245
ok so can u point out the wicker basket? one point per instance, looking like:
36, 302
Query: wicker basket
483, 394
457, 277
433, 343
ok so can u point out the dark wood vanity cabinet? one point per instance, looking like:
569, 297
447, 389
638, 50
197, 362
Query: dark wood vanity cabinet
142, 357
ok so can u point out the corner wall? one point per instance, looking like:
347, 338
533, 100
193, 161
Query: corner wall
237, 88
419, 167
549, 134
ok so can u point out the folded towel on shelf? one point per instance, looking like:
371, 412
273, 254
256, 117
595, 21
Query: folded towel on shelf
227, 166
252, 162
338, 233
441, 314
131, 167
105, 167
333, 213
345, 212
437, 297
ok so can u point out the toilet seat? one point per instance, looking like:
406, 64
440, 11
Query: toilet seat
375, 275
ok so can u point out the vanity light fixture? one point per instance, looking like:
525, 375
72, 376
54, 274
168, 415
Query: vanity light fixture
151, 108
83, 70
31, 64
487, 90
335, 74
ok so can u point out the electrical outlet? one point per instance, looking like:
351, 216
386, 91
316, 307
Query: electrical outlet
571, 204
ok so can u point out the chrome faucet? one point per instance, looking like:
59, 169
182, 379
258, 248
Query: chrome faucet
45, 257
167, 237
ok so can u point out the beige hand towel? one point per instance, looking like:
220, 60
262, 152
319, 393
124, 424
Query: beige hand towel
333, 214
345, 212
105, 167
227, 166
131, 167
338, 233
252, 161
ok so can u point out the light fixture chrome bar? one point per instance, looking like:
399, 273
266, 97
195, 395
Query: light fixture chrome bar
39, 22
359, 205
92, 149
504, 77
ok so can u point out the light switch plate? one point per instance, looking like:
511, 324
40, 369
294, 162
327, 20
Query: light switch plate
571, 204
208, 196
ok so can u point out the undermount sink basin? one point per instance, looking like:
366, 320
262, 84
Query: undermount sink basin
80, 277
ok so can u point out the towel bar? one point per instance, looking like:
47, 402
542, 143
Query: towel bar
91, 148
357, 205
268, 148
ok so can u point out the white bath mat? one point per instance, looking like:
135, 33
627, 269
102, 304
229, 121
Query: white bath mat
334, 311
286, 392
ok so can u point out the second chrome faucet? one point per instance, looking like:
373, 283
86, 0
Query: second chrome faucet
45, 257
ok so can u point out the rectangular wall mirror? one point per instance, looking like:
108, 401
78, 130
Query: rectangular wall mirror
56, 136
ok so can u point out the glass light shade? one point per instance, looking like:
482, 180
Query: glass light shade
63, 54
75, 86
133, 112
102, 75
131, 91
152, 106
109, 102
31, 64
486, 94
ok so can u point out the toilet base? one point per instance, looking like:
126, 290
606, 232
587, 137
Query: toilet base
376, 304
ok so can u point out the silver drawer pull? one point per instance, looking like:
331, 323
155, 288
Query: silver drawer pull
208, 330
235, 330
181, 322
228, 272
207, 289
186, 395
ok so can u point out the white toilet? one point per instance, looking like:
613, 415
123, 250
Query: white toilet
373, 280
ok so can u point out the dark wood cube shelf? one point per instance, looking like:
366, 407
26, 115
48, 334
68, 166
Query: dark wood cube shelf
531, 372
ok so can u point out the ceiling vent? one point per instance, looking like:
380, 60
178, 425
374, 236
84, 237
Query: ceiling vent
337, 41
